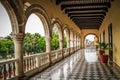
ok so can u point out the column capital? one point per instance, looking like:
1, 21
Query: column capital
18, 36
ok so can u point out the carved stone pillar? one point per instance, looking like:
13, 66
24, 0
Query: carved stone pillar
73, 43
68, 45
48, 44
61, 44
18, 43
48, 47
61, 47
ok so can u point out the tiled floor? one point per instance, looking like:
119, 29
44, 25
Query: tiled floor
83, 65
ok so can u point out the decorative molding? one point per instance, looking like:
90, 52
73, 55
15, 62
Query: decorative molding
18, 36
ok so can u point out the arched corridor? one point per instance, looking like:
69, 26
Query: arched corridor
83, 65
90, 41
65, 25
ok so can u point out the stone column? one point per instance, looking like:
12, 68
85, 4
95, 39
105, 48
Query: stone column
61, 44
48, 47
68, 45
61, 47
73, 45
18, 43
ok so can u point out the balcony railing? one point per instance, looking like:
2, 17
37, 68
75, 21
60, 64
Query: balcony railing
8, 69
66, 52
36, 62
56, 55
29, 62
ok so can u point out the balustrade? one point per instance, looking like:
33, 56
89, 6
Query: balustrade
44, 58
29, 62
7, 69
53, 55
32, 61
66, 52
59, 53
56, 55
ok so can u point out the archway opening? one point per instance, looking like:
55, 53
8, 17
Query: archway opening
34, 41
55, 37
90, 41
6, 42
65, 39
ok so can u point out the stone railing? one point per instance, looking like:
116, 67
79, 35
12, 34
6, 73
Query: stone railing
33, 63
44, 58
71, 50
66, 52
8, 69
29, 62
56, 55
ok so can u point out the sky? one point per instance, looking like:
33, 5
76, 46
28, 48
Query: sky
5, 24
90, 37
33, 25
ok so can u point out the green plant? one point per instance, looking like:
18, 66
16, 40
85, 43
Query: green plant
103, 46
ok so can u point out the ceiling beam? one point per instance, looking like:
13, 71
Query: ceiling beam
87, 4
87, 16
86, 8
87, 13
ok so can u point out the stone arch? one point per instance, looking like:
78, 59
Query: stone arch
12, 16
41, 13
67, 33
59, 26
87, 35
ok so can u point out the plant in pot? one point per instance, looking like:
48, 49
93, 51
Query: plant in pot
101, 46
104, 57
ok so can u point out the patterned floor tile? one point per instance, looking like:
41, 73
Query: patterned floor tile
83, 65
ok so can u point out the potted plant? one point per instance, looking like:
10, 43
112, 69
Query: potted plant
104, 56
101, 46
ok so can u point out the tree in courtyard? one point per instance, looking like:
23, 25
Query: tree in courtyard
55, 41
6, 48
64, 42
34, 43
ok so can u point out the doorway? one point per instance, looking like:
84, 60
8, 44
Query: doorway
90, 41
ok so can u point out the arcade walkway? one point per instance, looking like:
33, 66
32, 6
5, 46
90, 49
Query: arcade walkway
83, 65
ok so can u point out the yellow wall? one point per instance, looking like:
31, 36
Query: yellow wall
113, 16
54, 11
85, 32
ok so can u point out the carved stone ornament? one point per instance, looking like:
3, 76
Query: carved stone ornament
18, 36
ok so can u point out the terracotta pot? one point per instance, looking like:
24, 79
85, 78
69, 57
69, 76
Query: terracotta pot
1, 76
104, 58
101, 52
